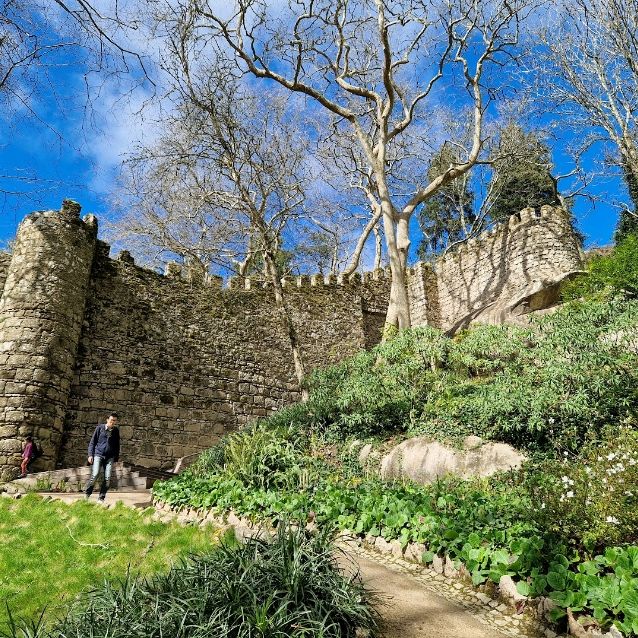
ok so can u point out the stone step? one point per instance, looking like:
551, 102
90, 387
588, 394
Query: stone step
72, 479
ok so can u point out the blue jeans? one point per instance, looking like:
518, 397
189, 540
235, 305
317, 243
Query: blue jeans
99, 463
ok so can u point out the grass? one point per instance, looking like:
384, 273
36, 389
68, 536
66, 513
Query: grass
50, 551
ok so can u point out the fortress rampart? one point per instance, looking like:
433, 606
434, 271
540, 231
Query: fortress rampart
185, 359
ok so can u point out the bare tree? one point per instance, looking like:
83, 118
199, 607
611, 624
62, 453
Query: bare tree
373, 65
223, 183
38, 38
589, 73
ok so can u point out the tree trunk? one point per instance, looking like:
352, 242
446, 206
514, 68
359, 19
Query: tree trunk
399, 308
300, 372
377, 247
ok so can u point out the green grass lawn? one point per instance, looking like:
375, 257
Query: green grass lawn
50, 551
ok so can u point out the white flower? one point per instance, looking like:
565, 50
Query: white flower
613, 520
588, 469
551, 419
569, 494
611, 456
542, 506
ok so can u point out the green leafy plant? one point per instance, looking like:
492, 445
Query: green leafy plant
613, 273
591, 500
604, 588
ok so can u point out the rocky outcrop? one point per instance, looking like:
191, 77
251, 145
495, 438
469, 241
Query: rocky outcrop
423, 461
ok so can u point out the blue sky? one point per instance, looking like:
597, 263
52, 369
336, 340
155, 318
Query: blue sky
77, 156
82, 164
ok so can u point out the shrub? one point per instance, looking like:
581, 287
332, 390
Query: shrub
291, 586
591, 501
373, 392
616, 273
572, 374
258, 457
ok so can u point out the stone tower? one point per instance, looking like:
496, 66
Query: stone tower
41, 314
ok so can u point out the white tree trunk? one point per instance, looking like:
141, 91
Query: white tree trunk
399, 307
287, 322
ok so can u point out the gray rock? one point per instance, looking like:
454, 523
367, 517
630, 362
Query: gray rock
364, 453
449, 570
423, 460
437, 564
507, 590
383, 545
414, 552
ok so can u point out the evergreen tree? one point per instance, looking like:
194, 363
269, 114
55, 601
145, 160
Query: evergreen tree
522, 175
447, 216
628, 220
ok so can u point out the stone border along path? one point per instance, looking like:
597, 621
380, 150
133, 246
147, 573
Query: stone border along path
416, 601
496, 617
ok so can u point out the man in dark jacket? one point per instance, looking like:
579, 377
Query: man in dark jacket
104, 449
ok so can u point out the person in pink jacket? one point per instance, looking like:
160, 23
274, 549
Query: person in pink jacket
27, 454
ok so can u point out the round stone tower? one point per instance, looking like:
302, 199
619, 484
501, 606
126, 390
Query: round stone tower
41, 315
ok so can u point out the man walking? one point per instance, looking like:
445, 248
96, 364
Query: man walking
104, 449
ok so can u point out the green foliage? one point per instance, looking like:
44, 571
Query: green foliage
260, 457
451, 516
447, 215
605, 587
378, 391
50, 551
523, 177
291, 586
627, 224
592, 501
547, 387
614, 274
565, 384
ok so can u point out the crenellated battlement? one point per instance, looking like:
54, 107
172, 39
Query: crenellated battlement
178, 272
517, 223
551, 215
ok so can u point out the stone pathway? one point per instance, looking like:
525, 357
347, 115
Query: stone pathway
424, 604
134, 498
410, 610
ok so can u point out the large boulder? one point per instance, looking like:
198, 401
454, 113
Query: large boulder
424, 461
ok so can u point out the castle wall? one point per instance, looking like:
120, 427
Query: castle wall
5, 260
184, 360
535, 246
41, 314
184, 363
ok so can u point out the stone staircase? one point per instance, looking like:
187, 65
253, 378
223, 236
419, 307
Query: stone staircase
124, 477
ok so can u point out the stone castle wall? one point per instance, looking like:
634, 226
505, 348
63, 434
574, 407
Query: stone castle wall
41, 316
184, 360
5, 260
532, 251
